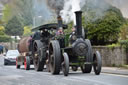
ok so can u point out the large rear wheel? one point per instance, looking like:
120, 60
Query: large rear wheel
37, 57
54, 57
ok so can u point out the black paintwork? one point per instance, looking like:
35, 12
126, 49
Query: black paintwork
49, 27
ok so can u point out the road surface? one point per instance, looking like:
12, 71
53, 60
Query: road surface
9, 75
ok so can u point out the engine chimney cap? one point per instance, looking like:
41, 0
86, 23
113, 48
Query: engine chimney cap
78, 11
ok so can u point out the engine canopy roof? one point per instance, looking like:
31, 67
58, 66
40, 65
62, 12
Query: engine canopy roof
49, 27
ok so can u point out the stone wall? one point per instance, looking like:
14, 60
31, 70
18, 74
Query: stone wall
116, 56
110, 56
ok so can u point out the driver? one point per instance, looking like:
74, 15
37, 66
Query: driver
60, 31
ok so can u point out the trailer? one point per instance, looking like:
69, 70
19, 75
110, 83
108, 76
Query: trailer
41, 46
25, 57
25, 48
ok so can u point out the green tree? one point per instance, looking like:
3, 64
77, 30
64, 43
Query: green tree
7, 13
69, 30
14, 27
2, 29
105, 30
124, 31
27, 31
3, 36
23, 9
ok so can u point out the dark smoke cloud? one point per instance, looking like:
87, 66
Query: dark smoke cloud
56, 5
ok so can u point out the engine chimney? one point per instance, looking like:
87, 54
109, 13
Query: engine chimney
60, 22
79, 23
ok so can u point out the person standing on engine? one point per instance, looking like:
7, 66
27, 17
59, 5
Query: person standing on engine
72, 36
60, 31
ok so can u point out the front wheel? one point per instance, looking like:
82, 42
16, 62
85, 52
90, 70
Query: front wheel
65, 64
86, 68
74, 68
97, 63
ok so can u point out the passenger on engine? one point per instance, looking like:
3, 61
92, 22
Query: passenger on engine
72, 36
60, 31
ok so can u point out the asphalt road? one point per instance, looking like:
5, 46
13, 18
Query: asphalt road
9, 75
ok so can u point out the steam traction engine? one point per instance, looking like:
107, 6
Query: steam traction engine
64, 53
40, 47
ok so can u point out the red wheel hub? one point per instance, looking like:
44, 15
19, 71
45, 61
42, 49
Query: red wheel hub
25, 63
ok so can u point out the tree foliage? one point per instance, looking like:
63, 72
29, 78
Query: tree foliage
27, 31
7, 13
16, 15
22, 9
3, 36
69, 30
124, 31
2, 29
105, 30
14, 27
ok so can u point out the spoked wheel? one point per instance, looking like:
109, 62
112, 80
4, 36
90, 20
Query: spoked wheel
65, 64
54, 57
74, 68
86, 68
97, 63
17, 66
27, 63
47, 62
37, 58
47, 65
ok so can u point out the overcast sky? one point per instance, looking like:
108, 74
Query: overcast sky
122, 5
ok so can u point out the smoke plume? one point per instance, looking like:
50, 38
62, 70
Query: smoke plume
98, 6
71, 6
56, 5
